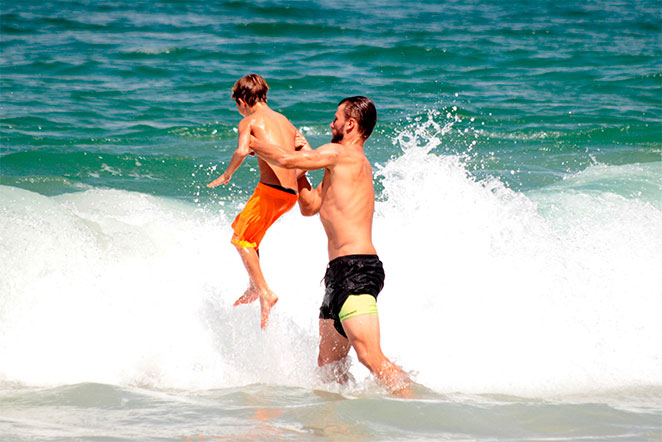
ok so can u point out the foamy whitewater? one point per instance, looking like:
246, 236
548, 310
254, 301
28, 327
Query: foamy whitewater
121, 301
488, 290
517, 161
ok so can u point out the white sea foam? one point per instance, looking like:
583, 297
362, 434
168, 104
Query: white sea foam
124, 288
487, 290
500, 297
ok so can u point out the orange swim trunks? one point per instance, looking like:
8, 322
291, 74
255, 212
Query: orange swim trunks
263, 208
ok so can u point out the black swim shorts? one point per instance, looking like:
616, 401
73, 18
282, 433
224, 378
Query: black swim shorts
350, 275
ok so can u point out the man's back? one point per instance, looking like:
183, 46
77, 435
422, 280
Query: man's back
348, 201
273, 127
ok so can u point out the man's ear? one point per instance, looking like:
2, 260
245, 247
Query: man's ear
351, 124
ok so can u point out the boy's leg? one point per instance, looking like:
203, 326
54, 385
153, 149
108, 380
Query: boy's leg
250, 295
258, 285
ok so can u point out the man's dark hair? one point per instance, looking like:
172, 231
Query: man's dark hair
363, 110
251, 88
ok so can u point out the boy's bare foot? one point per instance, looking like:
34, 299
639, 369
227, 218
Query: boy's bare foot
267, 301
249, 296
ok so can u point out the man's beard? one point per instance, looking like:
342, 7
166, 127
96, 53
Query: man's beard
337, 137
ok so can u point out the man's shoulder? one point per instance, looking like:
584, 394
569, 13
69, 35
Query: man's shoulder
332, 147
335, 152
349, 151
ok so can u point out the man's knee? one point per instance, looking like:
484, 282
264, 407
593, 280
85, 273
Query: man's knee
332, 346
326, 357
369, 355
364, 356
335, 371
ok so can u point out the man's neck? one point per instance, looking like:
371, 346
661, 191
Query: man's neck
356, 142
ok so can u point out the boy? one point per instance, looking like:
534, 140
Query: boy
274, 195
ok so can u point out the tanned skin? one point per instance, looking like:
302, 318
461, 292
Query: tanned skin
345, 202
266, 125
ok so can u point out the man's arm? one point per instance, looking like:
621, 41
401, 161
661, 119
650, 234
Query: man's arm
310, 200
320, 158
238, 156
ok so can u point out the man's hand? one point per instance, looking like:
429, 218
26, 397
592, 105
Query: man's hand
223, 179
252, 143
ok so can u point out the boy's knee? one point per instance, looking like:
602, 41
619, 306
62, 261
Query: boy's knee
241, 244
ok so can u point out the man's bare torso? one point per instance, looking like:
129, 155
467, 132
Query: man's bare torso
348, 202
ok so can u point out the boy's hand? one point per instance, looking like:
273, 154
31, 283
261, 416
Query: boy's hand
223, 179
300, 142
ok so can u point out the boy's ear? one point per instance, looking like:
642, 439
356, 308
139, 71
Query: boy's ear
351, 123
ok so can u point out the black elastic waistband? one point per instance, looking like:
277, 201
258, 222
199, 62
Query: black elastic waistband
284, 189
345, 258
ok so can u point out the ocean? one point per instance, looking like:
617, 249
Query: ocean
518, 171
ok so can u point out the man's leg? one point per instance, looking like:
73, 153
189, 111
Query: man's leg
332, 353
363, 334
258, 285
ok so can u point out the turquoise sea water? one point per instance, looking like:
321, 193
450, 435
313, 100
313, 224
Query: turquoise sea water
518, 167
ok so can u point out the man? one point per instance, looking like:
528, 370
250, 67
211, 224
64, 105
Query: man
345, 202
274, 195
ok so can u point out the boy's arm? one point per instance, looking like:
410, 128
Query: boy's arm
320, 158
310, 200
238, 156
300, 144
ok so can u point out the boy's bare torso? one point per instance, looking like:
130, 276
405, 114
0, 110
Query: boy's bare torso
272, 127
